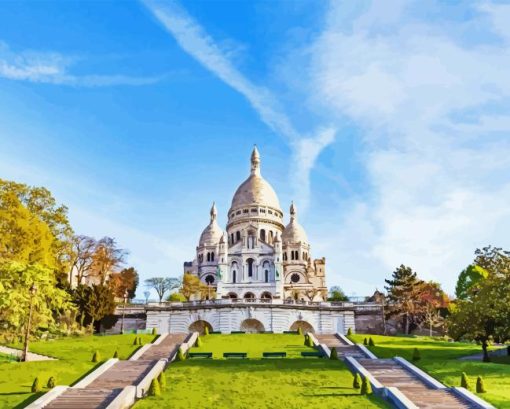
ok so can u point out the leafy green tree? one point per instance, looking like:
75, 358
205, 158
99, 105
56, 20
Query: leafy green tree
99, 303
337, 294
176, 297
468, 280
494, 260
15, 281
404, 291
161, 285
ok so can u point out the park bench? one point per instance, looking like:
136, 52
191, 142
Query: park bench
240, 355
206, 355
311, 354
238, 332
290, 332
274, 354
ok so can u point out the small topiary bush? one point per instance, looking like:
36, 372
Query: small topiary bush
51, 383
154, 331
36, 386
365, 342
366, 387
206, 331
371, 342
135, 341
306, 339
300, 331
480, 387
140, 341
181, 356
334, 354
199, 342
154, 389
96, 357
416, 355
349, 332
464, 381
116, 354
310, 342
356, 382
162, 380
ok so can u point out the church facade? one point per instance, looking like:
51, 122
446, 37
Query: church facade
258, 256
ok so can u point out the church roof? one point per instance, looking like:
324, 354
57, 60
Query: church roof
212, 233
294, 232
255, 190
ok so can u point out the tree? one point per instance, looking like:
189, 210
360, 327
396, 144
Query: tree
162, 285
468, 280
82, 259
434, 300
336, 294
15, 281
107, 257
191, 285
176, 297
485, 315
124, 281
100, 302
494, 260
404, 292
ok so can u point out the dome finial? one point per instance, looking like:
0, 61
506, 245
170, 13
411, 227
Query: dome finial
213, 212
255, 161
293, 211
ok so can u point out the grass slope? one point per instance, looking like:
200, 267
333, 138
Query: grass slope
440, 359
74, 361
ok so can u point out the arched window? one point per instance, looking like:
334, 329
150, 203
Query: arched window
266, 275
234, 276
208, 256
271, 236
212, 256
292, 255
263, 235
232, 238
233, 269
238, 236
250, 267
209, 279
285, 256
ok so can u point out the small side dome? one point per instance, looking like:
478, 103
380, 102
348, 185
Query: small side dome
212, 233
294, 232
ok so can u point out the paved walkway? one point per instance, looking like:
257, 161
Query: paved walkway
342, 348
100, 392
31, 356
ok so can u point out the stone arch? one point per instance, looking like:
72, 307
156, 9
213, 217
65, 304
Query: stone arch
266, 295
249, 296
252, 325
304, 325
199, 326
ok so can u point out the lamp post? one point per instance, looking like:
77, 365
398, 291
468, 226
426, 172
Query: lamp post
123, 312
33, 292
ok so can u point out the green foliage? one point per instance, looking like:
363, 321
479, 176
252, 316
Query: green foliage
36, 385
154, 389
116, 354
416, 355
366, 387
176, 297
135, 341
464, 381
468, 281
337, 294
306, 339
480, 387
181, 356
334, 353
206, 330
371, 342
365, 342
51, 383
349, 332
162, 380
199, 342
96, 357
300, 331
356, 381
154, 331
140, 341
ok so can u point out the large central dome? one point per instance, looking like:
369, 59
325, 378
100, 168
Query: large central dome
255, 190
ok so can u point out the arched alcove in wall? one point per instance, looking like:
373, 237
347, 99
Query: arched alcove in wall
252, 325
304, 325
199, 326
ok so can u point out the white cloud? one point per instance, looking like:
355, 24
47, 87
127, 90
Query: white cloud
435, 116
194, 40
53, 68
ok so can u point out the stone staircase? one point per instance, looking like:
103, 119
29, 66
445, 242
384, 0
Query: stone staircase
102, 390
390, 373
342, 348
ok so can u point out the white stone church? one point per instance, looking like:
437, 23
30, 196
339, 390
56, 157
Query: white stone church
258, 257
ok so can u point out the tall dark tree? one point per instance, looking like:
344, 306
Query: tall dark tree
404, 297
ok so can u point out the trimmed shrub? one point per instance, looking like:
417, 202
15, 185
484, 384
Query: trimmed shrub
356, 382
416, 355
154, 331
365, 342
480, 387
306, 339
334, 354
366, 387
199, 342
140, 341
371, 342
300, 331
51, 383
206, 331
96, 357
349, 332
135, 341
154, 389
310, 342
464, 381
162, 380
36, 386
181, 356
116, 354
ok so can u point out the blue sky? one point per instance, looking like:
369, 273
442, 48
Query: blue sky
387, 123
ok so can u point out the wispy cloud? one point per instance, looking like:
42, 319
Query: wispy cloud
54, 68
194, 40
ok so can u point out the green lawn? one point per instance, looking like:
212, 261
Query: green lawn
258, 383
253, 344
74, 361
439, 359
